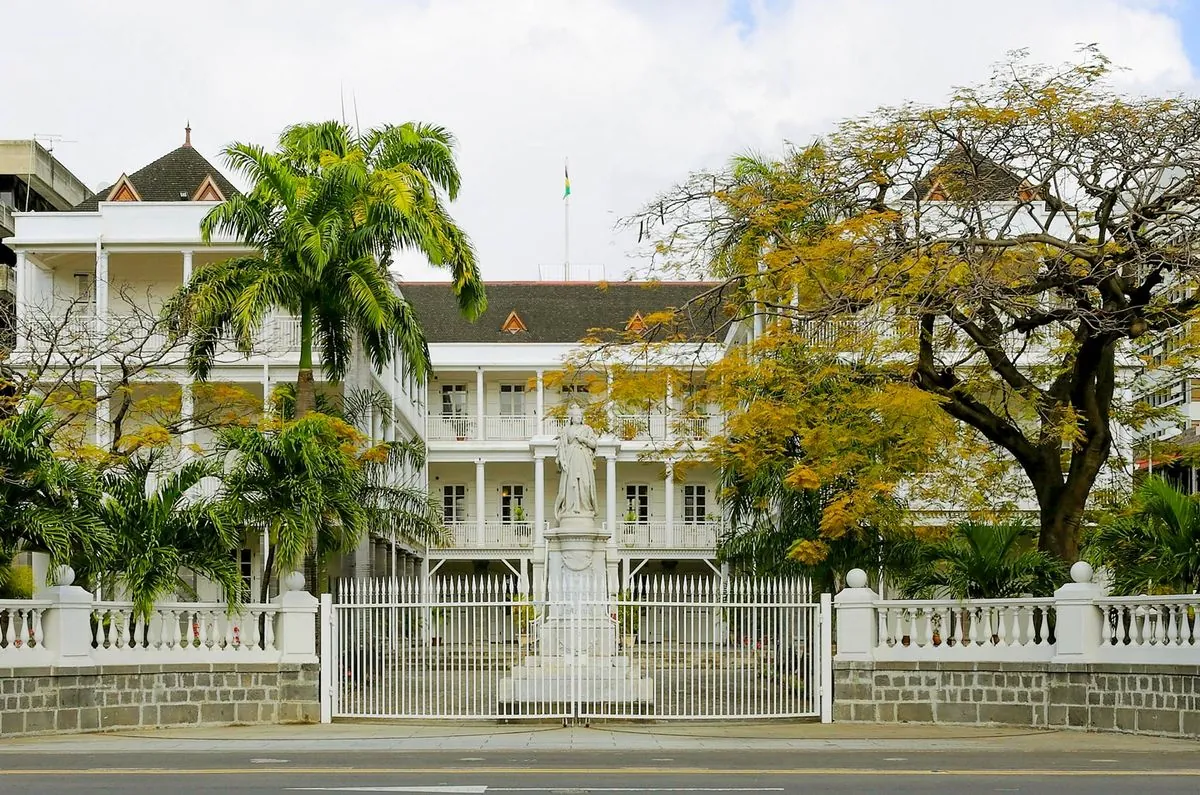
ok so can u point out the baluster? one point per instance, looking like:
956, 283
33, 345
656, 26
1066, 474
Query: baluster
174, 636
228, 645
1006, 616
22, 628
121, 626
98, 629
1173, 627
1139, 625
36, 635
988, 628
249, 626
268, 631
1154, 614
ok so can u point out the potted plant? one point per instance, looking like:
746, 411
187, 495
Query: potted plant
521, 525
628, 618
523, 616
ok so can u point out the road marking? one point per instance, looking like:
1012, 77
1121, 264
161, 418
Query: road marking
445, 790
1102, 760
591, 771
635, 789
471, 759
269, 761
895, 759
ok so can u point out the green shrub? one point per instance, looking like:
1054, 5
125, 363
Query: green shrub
18, 584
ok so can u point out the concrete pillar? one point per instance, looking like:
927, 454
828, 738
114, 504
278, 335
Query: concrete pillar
23, 297
296, 622
480, 403
187, 411
539, 498
541, 401
66, 624
480, 501
187, 266
103, 429
669, 499
610, 494
1079, 621
266, 388
101, 290
857, 627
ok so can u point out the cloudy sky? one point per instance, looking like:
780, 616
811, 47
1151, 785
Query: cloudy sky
635, 92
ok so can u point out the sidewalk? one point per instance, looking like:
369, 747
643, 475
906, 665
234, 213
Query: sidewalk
488, 737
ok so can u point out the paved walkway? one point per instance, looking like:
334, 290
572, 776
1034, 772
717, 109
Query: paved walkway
478, 737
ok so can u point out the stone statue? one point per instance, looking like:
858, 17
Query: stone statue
577, 475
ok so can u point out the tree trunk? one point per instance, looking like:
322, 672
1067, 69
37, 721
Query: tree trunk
306, 398
1061, 501
266, 583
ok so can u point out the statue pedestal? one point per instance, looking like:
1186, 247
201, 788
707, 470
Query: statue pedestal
576, 660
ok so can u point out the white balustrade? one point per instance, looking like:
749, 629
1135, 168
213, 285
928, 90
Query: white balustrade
451, 427
184, 632
642, 535
509, 427
976, 629
491, 534
1149, 629
21, 640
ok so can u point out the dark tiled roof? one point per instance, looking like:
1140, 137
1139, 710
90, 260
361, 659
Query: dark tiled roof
969, 178
181, 171
562, 311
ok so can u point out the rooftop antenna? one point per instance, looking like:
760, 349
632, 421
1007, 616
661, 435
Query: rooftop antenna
357, 126
342, 95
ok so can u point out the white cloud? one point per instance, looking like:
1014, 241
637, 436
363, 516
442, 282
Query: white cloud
635, 93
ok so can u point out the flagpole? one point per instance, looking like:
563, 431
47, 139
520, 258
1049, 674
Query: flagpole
566, 224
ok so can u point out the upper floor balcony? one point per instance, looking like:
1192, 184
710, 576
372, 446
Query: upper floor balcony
658, 427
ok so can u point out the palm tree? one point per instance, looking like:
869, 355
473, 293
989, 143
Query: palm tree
977, 561
325, 213
1154, 549
303, 481
160, 533
45, 502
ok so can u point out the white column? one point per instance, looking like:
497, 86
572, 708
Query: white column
187, 267
669, 499
103, 431
101, 290
610, 493
479, 402
1078, 625
609, 410
857, 628
541, 401
480, 501
22, 272
187, 410
266, 387
539, 497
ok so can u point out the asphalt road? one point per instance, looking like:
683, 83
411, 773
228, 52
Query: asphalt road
607, 773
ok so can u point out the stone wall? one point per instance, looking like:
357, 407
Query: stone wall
103, 698
1146, 699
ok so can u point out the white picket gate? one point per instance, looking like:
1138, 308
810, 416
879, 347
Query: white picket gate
668, 648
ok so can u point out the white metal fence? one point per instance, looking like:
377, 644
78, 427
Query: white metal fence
466, 648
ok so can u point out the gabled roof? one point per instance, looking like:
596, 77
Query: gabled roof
176, 176
970, 177
558, 312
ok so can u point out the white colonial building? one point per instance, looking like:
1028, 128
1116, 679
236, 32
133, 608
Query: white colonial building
92, 280
498, 393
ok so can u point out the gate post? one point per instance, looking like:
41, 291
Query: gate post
329, 642
826, 658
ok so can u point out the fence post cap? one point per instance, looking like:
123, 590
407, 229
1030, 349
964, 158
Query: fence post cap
1082, 572
293, 581
856, 578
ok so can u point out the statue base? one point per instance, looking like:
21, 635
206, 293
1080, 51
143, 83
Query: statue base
577, 661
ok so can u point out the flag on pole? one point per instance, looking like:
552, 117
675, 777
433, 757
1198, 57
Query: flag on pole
566, 182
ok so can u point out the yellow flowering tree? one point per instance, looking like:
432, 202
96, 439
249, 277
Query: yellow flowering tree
1002, 265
